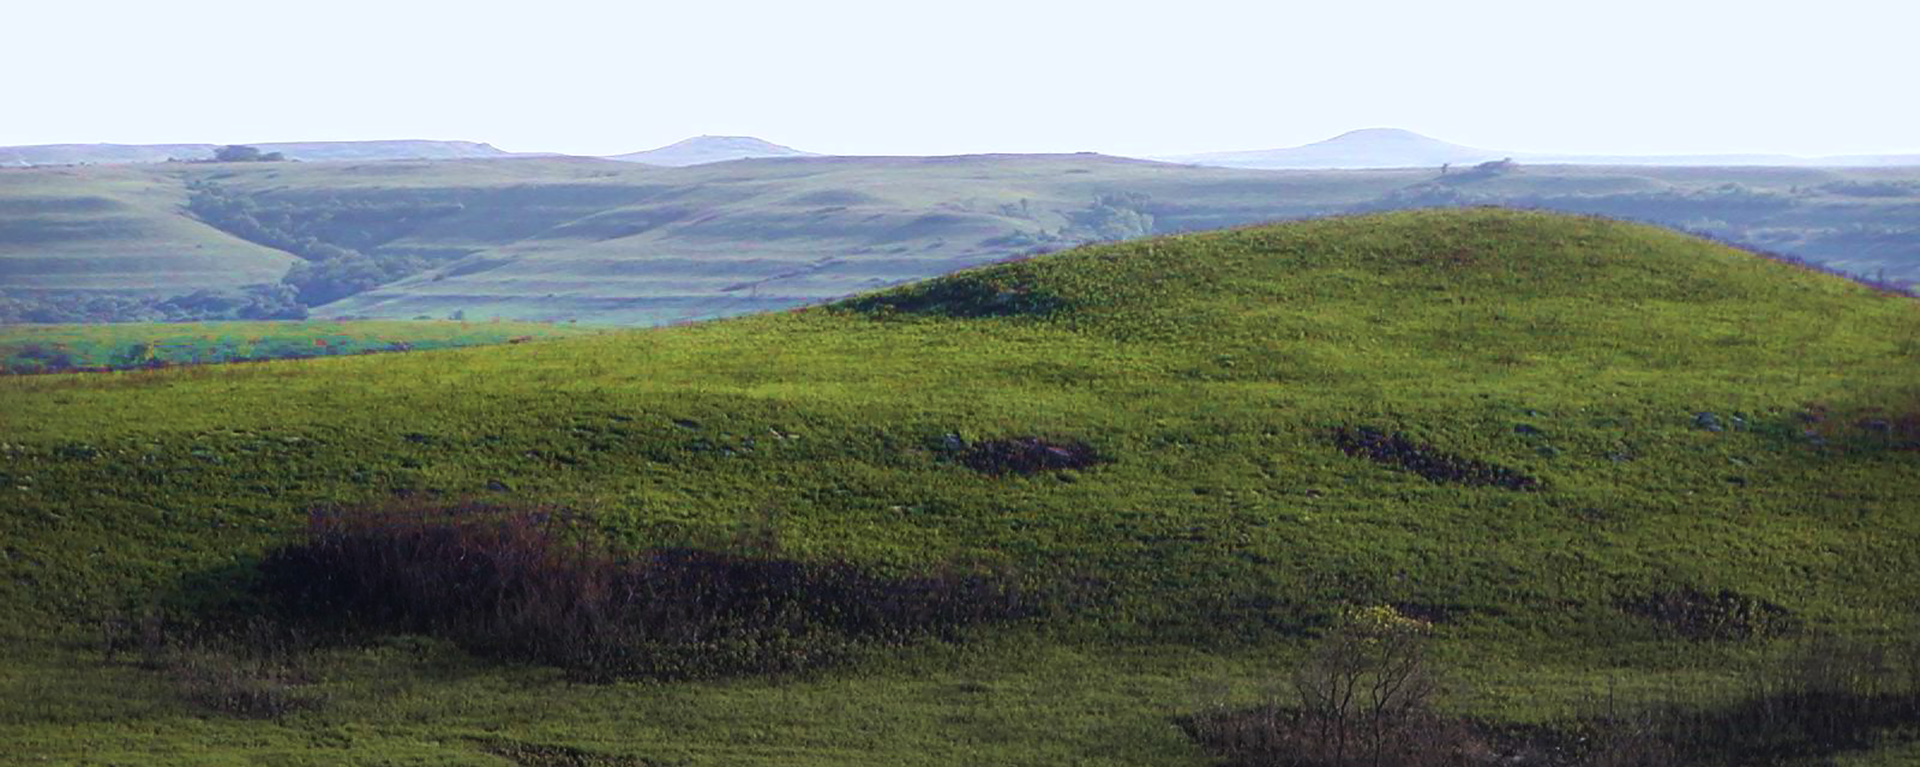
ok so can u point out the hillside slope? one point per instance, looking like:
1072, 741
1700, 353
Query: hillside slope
118, 230
1687, 419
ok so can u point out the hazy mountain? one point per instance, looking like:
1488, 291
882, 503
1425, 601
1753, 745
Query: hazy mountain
1395, 148
701, 150
1369, 148
307, 151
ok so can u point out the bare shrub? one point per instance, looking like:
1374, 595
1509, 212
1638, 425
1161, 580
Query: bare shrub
1432, 463
238, 685
536, 585
1364, 697
1027, 455
1717, 615
250, 669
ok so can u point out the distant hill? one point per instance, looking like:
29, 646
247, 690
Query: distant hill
1396, 148
118, 229
1369, 148
701, 150
571, 238
308, 151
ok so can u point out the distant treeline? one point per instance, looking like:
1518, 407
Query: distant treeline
335, 237
253, 302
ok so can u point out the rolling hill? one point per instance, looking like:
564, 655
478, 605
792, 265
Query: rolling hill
1366, 148
628, 243
1518, 425
118, 230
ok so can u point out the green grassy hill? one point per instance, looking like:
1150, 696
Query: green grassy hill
1517, 425
619, 243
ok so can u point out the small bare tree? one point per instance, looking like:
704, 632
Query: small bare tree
1367, 691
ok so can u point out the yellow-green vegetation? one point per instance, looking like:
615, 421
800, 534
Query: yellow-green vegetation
54, 348
1290, 422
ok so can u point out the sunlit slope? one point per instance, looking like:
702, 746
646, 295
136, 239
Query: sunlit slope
1215, 375
119, 230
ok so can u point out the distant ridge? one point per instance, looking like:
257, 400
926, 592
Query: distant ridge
306, 151
702, 150
1376, 148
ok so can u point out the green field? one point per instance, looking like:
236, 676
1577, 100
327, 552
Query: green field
1693, 419
56, 348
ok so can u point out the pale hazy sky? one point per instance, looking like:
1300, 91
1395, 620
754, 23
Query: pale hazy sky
1618, 76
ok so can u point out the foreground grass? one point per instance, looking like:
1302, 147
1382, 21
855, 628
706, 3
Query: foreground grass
1209, 370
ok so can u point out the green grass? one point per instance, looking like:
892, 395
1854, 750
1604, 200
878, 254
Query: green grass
51, 348
1209, 368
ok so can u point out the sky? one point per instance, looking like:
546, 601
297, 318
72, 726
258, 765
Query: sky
907, 77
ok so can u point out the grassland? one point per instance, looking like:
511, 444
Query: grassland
58, 348
1213, 373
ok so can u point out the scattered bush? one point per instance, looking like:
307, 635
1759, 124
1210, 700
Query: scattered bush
1364, 697
243, 153
535, 585
1723, 615
969, 296
252, 302
250, 669
1399, 451
540, 755
1820, 698
1027, 455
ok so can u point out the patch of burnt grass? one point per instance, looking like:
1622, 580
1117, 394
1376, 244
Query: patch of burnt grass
1027, 455
539, 755
1723, 615
536, 586
963, 296
250, 669
1436, 465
